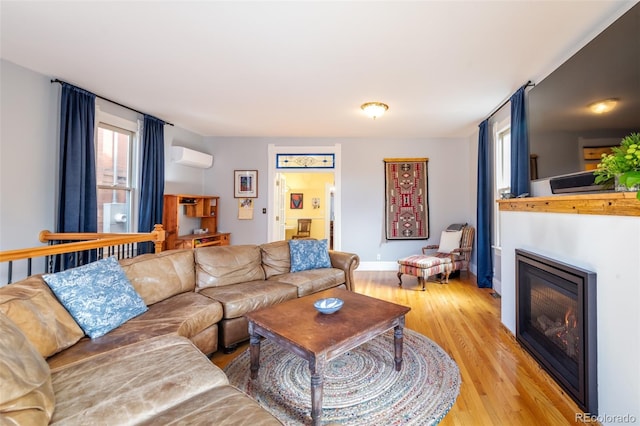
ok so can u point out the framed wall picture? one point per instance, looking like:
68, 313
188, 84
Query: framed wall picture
296, 201
245, 183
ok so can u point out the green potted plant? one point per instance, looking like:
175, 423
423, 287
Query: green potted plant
622, 166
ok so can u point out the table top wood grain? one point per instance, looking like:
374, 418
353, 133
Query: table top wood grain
298, 323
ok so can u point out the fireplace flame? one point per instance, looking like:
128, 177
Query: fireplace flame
570, 320
564, 334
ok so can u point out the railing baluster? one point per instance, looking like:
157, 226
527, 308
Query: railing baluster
84, 248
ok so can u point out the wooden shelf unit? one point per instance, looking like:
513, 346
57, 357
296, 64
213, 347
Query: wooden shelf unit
203, 207
591, 155
202, 240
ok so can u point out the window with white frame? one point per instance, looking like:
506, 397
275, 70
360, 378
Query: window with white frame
115, 174
502, 169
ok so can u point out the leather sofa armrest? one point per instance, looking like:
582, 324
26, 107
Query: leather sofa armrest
348, 262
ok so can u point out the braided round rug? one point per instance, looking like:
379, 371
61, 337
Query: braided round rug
361, 387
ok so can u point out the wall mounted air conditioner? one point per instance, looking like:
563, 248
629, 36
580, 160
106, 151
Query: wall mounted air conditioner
189, 157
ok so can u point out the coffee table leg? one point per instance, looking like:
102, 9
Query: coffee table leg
397, 346
254, 351
317, 373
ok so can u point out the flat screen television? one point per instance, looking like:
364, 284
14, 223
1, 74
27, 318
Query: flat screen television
560, 121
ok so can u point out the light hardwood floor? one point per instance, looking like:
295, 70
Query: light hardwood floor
501, 383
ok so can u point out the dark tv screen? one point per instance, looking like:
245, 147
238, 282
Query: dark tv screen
560, 121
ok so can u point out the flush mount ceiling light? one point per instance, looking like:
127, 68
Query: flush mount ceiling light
603, 106
374, 109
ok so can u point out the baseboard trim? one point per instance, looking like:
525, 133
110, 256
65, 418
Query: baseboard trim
392, 266
378, 266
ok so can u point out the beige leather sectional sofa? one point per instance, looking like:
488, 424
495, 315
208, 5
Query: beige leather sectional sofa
153, 368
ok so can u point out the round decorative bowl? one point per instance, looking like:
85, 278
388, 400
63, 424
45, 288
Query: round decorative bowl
328, 306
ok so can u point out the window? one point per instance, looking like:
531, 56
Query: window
114, 172
503, 161
502, 169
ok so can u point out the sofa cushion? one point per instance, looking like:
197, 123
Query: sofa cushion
26, 394
207, 340
98, 295
309, 254
313, 281
134, 383
276, 258
223, 405
159, 276
35, 310
220, 266
241, 298
185, 314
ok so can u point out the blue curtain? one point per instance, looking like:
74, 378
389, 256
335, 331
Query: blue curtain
152, 178
78, 204
519, 144
485, 208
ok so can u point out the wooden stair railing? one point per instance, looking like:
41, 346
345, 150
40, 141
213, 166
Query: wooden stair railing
106, 244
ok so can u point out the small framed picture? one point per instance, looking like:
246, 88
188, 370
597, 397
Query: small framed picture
245, 183
296, 201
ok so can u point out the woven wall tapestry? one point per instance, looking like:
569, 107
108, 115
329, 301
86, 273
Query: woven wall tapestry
406, 204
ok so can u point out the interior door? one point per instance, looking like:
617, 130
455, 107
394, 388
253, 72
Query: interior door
279, 203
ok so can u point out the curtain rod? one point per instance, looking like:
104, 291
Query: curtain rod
529, 84
109, 100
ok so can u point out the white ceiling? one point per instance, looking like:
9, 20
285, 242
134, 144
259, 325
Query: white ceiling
302, 68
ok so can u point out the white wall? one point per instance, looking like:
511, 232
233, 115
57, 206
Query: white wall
451, 188
28, 173
28, 156
29, 118
609, 246
181, 179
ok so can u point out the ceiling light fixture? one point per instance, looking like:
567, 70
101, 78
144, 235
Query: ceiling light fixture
374, 109
603, 106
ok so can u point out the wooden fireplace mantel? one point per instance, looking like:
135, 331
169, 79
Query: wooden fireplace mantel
605, 203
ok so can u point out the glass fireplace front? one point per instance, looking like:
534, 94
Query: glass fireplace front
556, 322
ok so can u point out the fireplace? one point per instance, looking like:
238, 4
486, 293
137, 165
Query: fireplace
556, 323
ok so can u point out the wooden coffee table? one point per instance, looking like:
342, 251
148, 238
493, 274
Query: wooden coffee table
318, 338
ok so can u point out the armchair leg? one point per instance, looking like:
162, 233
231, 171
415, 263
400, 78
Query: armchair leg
400, 278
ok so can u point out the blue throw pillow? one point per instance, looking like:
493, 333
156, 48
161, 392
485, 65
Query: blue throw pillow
98, 295
309, 254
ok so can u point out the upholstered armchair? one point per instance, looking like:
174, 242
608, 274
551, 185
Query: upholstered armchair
456, 243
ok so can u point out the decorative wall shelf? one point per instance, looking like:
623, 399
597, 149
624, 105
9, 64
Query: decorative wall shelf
202, 207
605, 203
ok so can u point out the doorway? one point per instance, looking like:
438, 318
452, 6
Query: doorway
305, 197
304, 193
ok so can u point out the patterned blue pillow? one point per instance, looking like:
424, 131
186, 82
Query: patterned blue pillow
98, 295
309, 254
